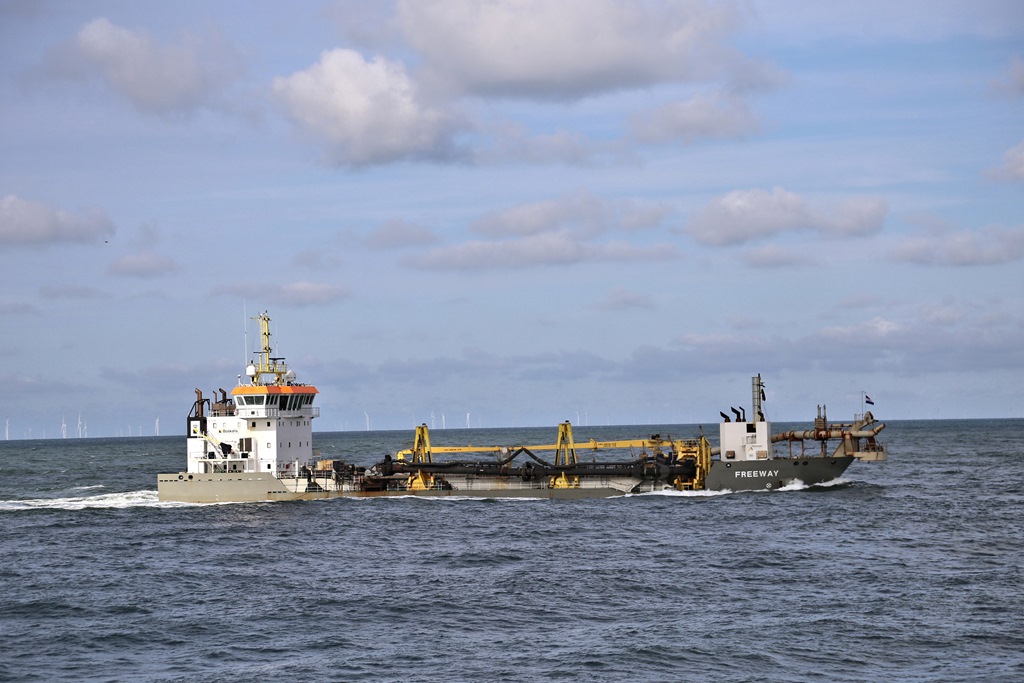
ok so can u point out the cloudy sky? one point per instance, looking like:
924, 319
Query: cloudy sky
523, 210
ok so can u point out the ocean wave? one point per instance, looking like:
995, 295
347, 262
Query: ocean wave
125, 499
451, 497
671, 493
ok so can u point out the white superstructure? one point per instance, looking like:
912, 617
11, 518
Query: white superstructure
743, 440
264, 426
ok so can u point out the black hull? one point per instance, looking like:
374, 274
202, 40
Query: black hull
774, 473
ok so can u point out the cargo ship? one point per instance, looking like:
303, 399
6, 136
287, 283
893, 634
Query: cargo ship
256, 444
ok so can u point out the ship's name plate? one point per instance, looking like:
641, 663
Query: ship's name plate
756, 473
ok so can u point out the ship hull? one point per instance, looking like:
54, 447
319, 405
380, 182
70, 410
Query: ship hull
774, 473
251, 488
759, 475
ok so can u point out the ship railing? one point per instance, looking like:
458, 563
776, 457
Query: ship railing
467, 487
325, 480
268, 411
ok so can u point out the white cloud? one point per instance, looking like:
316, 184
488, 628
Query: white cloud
745, 215
1016, 77
1012, 168
535, 250
802, 22
379, 110
399, 234
987, 246
906, 343
367, 112
921, 341
143, 264
581, 212
944, 316
296, 294
317, 259
622, 299
1013, 83
75, 292
878, 329
558, 231
568, 49
775, 256
158, 79
702, 116
28, 223
514, 142
309, 294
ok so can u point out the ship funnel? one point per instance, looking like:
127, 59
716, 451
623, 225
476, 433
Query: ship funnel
724, 416
736, 413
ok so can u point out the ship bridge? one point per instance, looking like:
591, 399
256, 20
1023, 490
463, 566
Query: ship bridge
275, 401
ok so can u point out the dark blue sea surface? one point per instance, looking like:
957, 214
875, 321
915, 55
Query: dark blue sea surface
908, 570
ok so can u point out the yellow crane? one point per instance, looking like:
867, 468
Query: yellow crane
566, 453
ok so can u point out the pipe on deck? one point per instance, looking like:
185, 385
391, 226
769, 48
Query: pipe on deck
821, 434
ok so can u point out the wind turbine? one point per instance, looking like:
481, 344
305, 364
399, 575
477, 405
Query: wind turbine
63, 428
156, 427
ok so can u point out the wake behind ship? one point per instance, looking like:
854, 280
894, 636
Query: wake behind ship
256, 445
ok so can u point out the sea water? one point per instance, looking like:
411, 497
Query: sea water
907, 570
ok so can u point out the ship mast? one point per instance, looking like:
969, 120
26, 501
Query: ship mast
266, 364
758, 398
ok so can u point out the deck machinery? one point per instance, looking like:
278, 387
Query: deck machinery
682, 464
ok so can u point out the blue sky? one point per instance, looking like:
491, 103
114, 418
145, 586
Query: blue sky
608, 212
